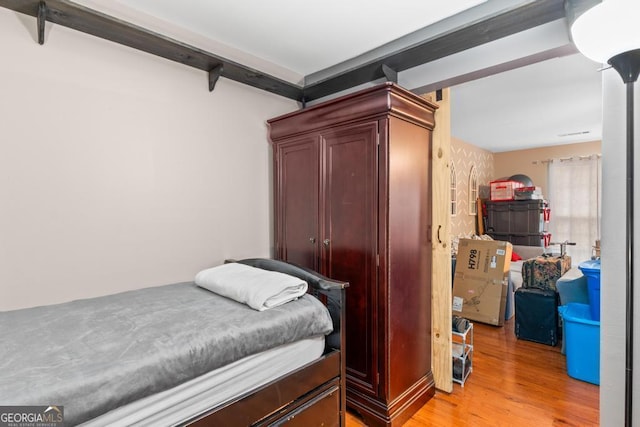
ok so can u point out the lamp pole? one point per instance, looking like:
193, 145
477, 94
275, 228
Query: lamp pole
609, 32
627, 64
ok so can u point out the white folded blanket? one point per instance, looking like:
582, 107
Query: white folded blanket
259, 289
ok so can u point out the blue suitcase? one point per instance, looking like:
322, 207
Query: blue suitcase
537, 315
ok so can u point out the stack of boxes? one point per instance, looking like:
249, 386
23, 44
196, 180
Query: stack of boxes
518, 214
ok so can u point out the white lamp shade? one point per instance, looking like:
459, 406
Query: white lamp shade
607, 29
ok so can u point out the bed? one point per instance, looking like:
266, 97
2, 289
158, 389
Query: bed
163, 356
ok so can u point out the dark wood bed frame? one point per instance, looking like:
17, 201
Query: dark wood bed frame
312, 395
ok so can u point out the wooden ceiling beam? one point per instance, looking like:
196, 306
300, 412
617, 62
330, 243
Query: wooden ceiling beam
488, 29
89, 21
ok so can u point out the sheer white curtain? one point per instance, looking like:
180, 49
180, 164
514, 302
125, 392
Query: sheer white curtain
574, 198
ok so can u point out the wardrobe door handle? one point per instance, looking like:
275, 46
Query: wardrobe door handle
312, 239
326, 242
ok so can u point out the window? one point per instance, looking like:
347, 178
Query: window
473, 191
454, 188
574, 199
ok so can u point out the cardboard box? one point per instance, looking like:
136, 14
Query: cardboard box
488, 259
481, 300
480, 284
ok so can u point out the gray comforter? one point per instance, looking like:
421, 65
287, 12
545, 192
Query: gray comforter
97, 354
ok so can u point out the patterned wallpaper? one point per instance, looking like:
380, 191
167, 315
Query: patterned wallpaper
464, 156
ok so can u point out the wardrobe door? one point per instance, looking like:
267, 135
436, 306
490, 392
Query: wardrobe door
349, 246
296, 195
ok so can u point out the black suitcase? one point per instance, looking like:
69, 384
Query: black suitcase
537, 315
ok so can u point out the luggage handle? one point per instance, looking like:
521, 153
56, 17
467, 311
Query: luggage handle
563, 246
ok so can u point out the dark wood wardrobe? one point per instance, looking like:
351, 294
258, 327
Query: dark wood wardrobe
352, 199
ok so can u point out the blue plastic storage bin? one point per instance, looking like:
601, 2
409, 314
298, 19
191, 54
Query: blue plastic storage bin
582, 336
591, 270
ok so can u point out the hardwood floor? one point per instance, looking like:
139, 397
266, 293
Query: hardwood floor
513, 383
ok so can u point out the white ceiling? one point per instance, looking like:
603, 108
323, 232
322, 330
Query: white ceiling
523, 108
557, 101
303, 37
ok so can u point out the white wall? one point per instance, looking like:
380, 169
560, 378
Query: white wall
613, 290
119, 170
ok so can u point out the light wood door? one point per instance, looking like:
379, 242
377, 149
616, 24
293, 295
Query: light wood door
441, 243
